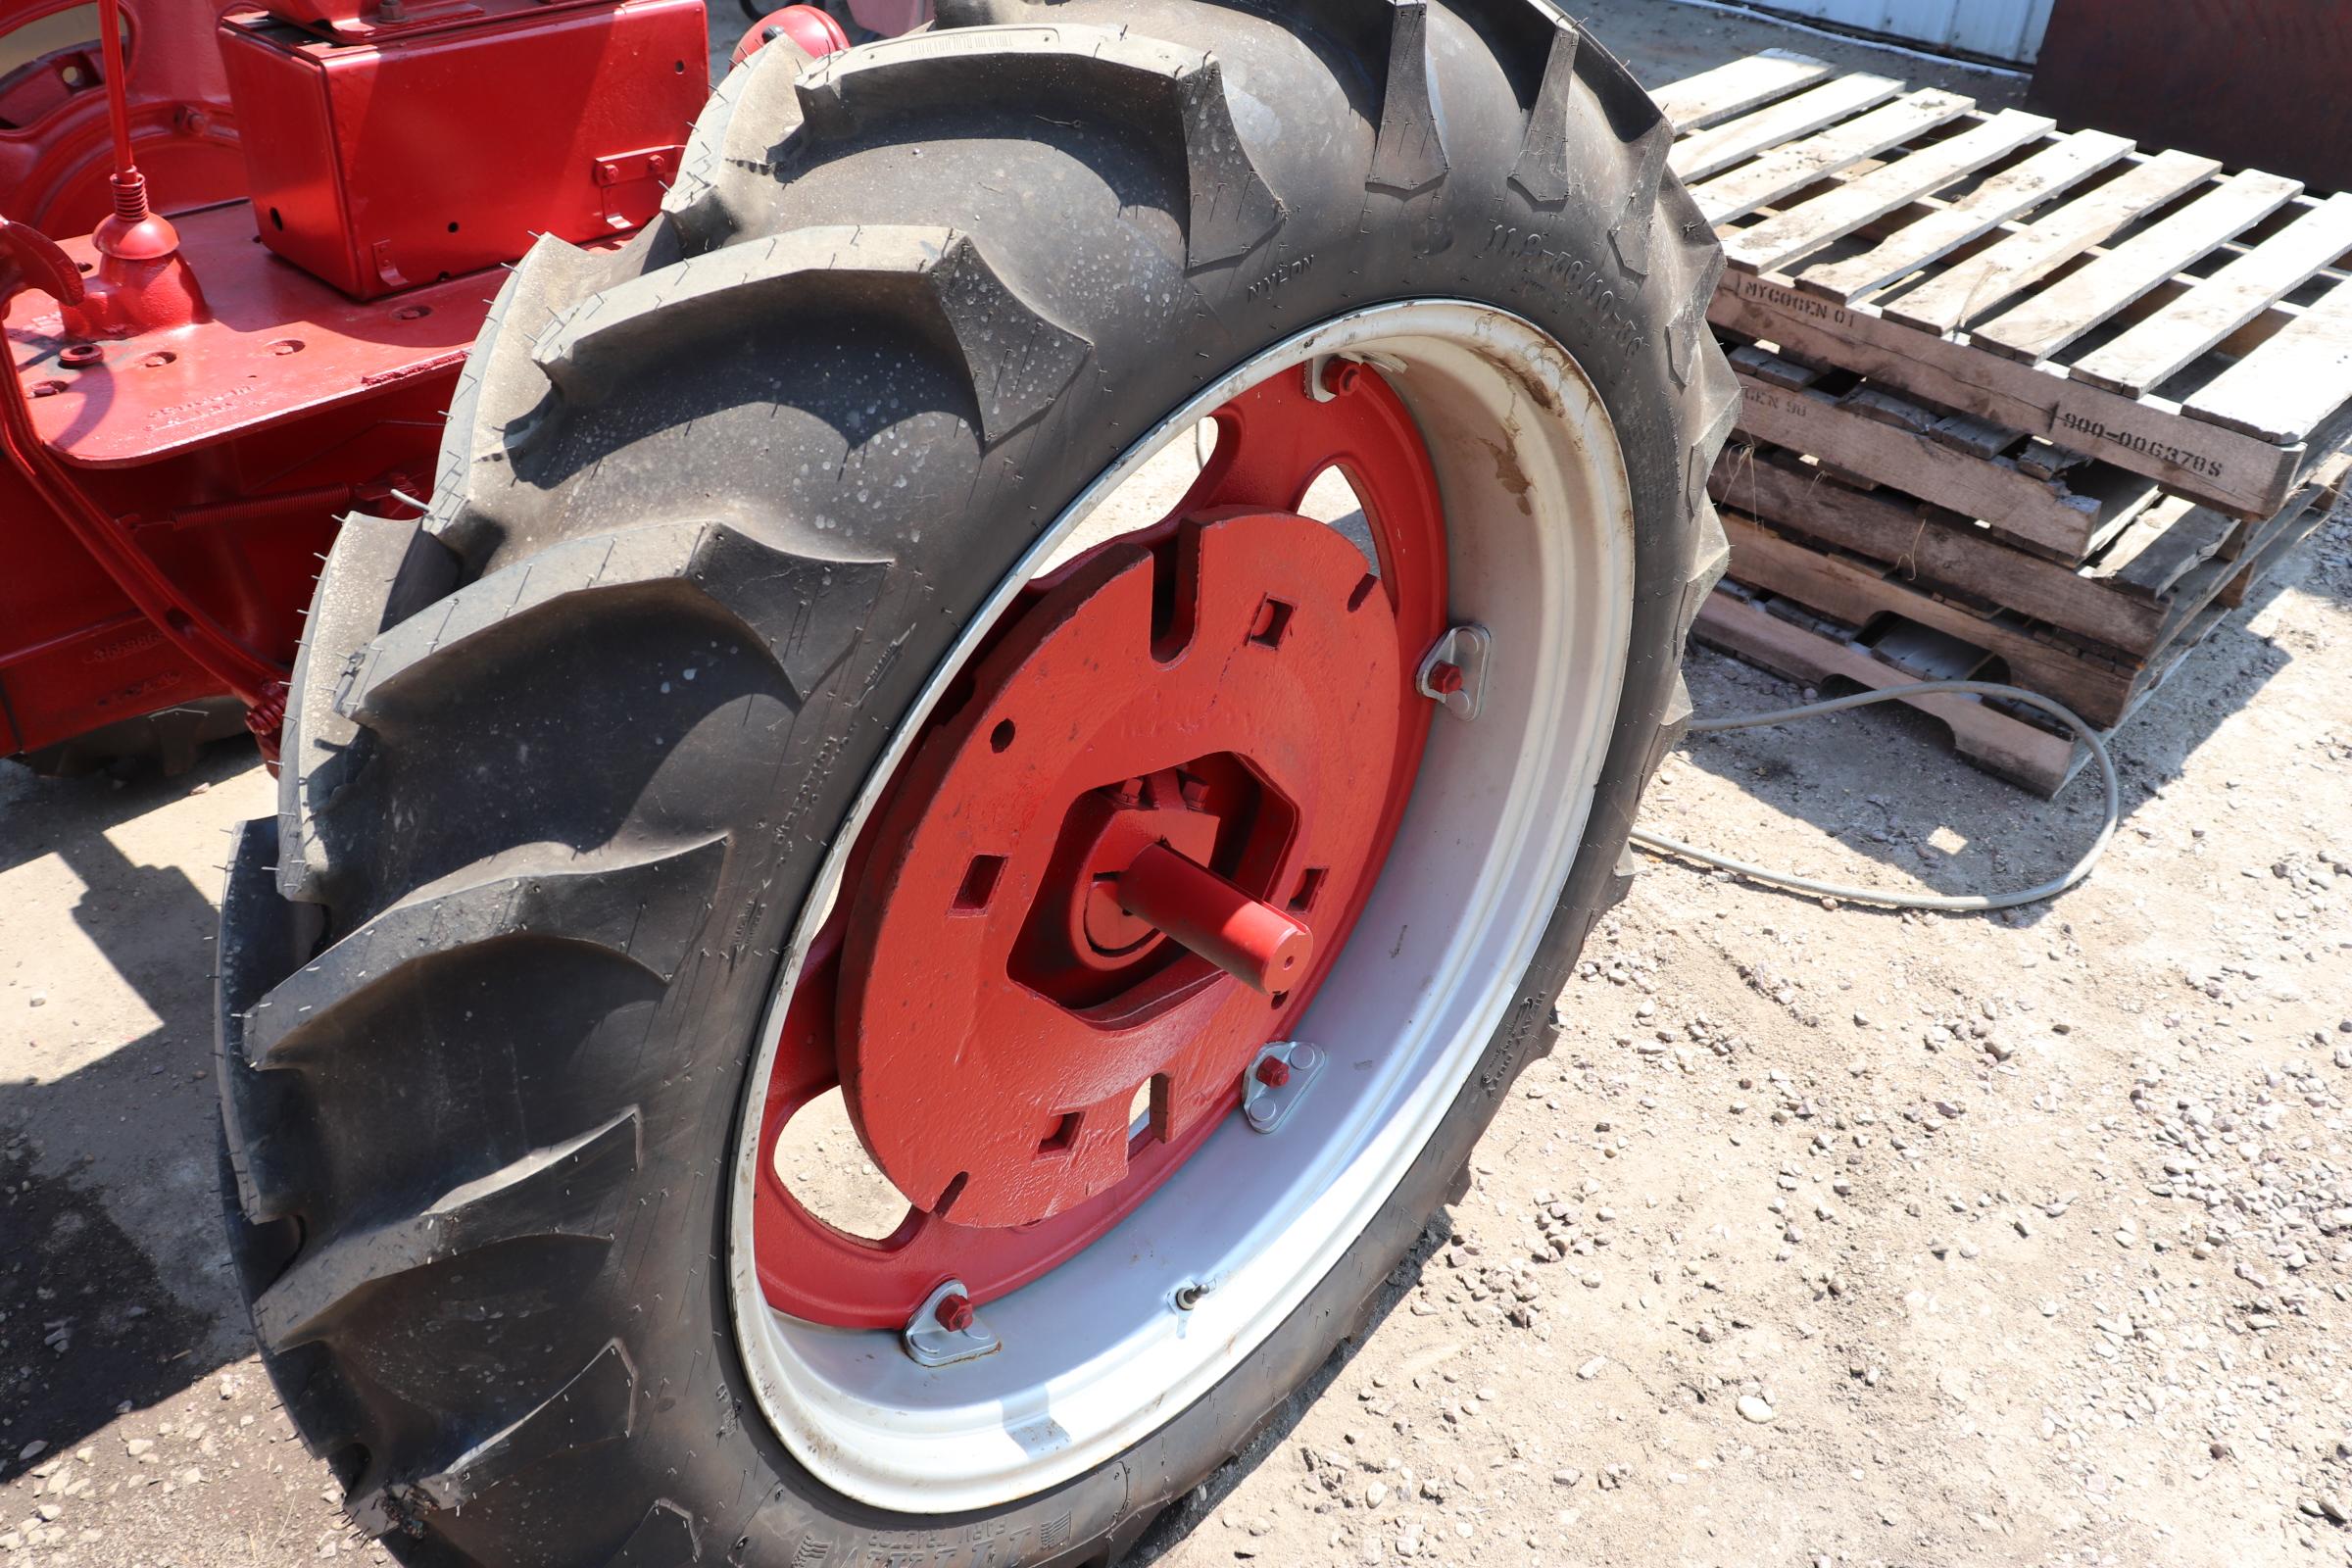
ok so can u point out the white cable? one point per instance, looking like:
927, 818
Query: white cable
1775, 19
1658, 843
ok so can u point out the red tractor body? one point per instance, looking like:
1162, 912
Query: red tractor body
197, 397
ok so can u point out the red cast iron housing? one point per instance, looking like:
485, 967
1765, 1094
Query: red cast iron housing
295, 220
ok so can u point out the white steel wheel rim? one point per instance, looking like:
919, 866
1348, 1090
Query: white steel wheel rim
1094, 1354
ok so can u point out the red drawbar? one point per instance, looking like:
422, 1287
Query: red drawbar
1119, 865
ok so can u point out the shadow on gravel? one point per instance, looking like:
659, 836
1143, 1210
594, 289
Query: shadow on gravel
113, 1284
1885, 783
87, 1327
1189, 1512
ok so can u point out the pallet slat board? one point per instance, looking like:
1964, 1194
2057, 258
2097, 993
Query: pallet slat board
2050, 171
2144, 357
2288, 388
2039, 248
1784, 170
1718, 148
2035, 329
1735, 89
2131, 597
1867, 198
2137, 305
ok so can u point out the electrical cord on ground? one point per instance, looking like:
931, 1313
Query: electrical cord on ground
1658, 843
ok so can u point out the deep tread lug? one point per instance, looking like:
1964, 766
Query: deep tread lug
494, 414
804, 610
1409, 156
551, 1192
1690, 340
1015, 359
646, 912
1631, 234
1232, 211
596, 1408
723, 174
665, 1538
379, 574
1545, 170
1719, 406
1673, 723
261, 936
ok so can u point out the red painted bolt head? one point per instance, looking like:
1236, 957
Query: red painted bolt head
1342, 376
1444, 679
1273, 1072
955, 1313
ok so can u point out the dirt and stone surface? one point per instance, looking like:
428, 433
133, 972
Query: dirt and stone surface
1825, 1234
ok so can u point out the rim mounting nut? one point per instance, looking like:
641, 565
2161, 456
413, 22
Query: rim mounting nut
1453, 672
1277, 1080
946, 1329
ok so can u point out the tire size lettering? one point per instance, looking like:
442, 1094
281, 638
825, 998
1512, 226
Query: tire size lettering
1575, 276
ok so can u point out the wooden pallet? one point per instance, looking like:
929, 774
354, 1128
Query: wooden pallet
2015, 743
2099, 680
2131, 597
2188, 327
2038, 497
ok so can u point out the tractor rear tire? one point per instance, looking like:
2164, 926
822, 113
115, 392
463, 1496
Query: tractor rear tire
563, 761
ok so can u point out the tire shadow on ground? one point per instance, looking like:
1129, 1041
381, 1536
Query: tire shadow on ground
114, 1289
1885, 783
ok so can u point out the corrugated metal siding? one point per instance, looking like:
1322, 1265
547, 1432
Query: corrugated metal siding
2004, 30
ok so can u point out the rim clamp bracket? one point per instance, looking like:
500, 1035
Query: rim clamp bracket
931, 1342
1279, 1077
1453, 672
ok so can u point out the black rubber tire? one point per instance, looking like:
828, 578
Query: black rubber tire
561, 763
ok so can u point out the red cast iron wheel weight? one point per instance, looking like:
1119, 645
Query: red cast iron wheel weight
1118, 863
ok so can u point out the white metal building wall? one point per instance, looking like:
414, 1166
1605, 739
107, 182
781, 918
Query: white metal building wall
2004, 30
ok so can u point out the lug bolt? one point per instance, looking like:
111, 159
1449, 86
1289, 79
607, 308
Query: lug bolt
1342, 376
1273, 1072
955, 1313
1444, 679
78, 355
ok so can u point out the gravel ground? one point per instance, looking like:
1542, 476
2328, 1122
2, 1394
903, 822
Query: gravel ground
1826, 1236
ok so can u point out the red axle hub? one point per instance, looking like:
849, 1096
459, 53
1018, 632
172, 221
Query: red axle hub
1248, 938
1118, 866
1279, 658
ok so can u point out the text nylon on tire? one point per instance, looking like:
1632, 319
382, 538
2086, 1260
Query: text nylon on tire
761, 712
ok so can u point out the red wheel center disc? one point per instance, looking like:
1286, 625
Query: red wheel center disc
1241, 713
1209, 728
